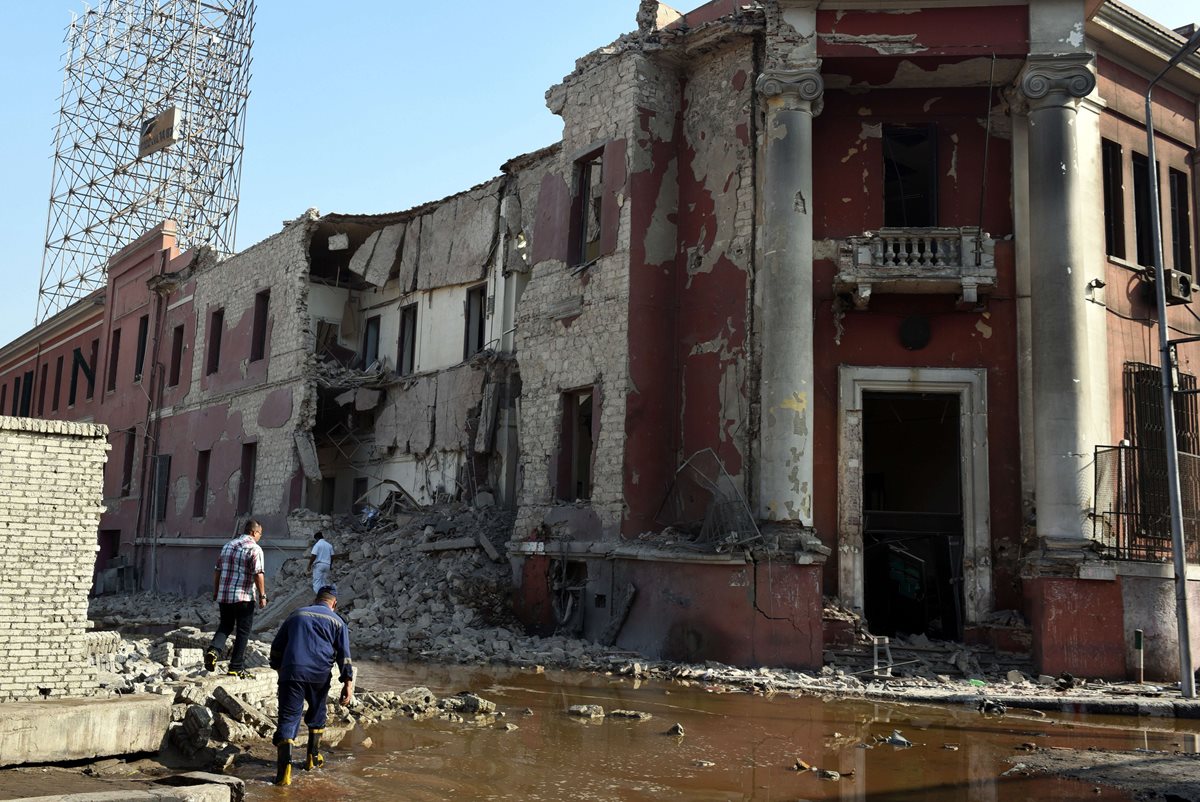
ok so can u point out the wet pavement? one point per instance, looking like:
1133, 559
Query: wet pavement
735, 747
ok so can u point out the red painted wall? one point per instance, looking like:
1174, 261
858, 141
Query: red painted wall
1078, 626
756, 614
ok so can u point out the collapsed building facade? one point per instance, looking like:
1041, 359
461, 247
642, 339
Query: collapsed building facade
811, 300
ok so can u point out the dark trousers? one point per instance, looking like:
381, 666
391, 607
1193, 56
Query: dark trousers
236, 617
293, 695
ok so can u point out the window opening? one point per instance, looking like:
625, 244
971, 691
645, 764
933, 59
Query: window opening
408, 339
370, 349
127, 462
42, 389
176, 355
587, 204
90, 373
143, 335
909, 176
216, 327
1141, 210
246, 484
1181, 222
58, 366
1114, 200
575, 446
476, 320
114, 356
258, 342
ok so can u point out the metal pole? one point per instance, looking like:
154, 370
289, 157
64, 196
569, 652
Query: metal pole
1187, 681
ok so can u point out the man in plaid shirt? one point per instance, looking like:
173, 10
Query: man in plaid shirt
236, 576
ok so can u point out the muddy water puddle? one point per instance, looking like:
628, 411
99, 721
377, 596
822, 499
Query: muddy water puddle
735, 747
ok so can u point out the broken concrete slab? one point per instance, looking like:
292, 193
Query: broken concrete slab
365, 398
489, 549
458, 391
453, 544
60, 730
457, 238
306, 448
362, 256
385, 256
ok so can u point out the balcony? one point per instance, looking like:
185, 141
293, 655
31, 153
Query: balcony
917, 260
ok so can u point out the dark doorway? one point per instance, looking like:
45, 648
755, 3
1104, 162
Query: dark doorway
912, 506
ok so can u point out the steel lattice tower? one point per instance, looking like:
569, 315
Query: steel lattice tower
126, 62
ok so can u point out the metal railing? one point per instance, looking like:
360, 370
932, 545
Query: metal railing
1133, 512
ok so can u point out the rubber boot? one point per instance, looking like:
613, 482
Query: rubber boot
314, 759
283, 763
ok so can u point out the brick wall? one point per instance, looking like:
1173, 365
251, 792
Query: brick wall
50, 492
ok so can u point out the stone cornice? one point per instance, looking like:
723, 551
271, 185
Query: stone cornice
1057, 78
794, 87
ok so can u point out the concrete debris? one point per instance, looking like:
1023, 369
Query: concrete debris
586, 711
676, 730
635, 715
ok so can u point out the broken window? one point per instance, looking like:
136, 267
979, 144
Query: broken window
143, 335
200, 502
258, 342
475, 309
90, 373
127, 462
114, 356
575, 446
587, 224
58, 366
42, 389
162, 486
1114, 199
245, 500
176, 355
407, 354
909, 176
370, 348
1142, 210
1181, 222
216, 327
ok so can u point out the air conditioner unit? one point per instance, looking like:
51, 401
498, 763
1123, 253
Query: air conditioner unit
1179, 287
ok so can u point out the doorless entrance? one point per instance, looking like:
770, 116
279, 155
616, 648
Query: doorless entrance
914, 541
912, 506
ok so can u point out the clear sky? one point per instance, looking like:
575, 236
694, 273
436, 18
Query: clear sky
358, 106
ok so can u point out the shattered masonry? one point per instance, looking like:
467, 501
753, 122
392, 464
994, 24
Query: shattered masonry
789, 314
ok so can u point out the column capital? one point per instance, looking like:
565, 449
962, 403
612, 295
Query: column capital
794, 88
1057, 78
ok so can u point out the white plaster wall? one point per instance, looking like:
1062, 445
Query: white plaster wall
328, 303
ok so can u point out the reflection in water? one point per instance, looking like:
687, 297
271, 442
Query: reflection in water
752, 742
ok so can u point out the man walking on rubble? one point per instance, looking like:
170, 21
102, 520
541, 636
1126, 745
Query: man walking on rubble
320, 561
237, 576
304, 651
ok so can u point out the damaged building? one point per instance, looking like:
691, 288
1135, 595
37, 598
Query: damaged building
812, 300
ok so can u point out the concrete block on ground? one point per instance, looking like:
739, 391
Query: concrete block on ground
448, 545
58, 730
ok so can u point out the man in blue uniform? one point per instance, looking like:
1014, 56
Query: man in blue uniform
304, 651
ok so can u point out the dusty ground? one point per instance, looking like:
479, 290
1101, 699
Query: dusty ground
1174, 777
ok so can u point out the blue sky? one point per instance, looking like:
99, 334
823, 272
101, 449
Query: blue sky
359, 106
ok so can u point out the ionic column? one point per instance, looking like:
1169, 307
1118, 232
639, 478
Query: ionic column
1062, 385
784, 292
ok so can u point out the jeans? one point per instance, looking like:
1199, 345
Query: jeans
236, 617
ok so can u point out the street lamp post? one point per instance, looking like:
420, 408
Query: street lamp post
1187, 682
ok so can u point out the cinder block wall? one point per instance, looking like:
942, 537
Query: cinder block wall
51, 475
